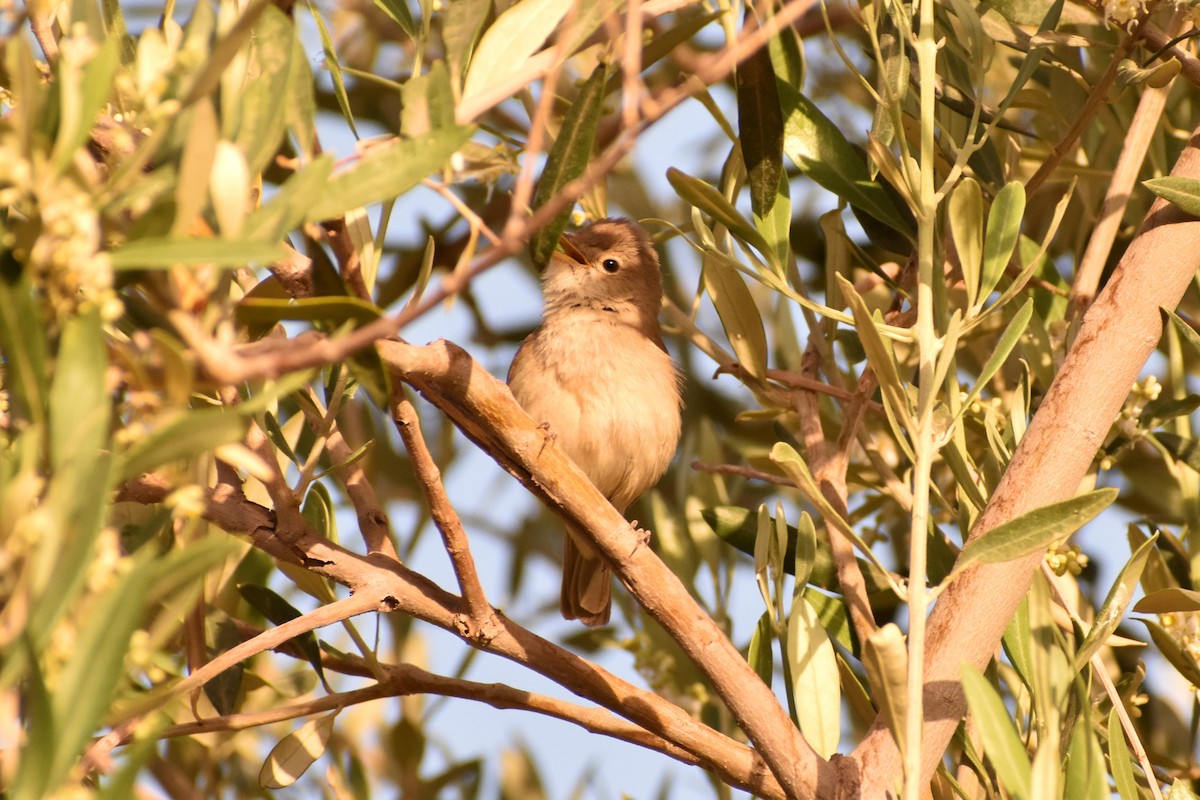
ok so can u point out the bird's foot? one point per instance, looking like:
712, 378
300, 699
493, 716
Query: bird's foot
548, 435
643, 536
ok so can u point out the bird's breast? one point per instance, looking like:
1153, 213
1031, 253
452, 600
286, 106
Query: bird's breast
609, 394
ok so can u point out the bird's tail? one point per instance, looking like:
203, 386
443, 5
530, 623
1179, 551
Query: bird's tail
586, 584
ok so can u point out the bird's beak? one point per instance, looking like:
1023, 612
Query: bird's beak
572, 252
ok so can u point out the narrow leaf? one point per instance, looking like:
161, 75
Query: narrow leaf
1119, 759
817, 146
1003, 230
387, 171
183, 438
966, 226
1167, 601
568, 160
739, 315
1086, 777
760, 127
296, 752
400, 13
335, 69
879, 356
1170, 649
169, 252
1113, 609
1183, 192
515, 36
759, 655
707, 199
1035, 530
886, 660
814, 678
1004, 347
1000, 741
333, 310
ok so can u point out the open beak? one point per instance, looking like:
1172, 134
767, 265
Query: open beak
572, 252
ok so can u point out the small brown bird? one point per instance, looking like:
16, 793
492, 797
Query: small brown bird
596, 371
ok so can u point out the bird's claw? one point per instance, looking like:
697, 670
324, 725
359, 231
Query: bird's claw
643, 536
548, 436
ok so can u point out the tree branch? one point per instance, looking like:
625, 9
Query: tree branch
487, 413
1118, 333
396, 588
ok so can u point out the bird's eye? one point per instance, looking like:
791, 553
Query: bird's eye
610, 265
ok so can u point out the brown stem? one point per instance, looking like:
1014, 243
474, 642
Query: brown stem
1137, 141
429, 478
1097, 97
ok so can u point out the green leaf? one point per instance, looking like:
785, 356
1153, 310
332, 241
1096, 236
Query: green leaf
85, 687
1180, 791
183, 438
278, 611
816, 145
301, 109
33, 768
760, 127
1166, 601
508, 43
886, 660
1170, 649
335, 69
1113, 610
815, 680
1121, 763
262, 115
81, 99
387, 171
333, 310
739, 315
171, 574
427, 101
224, 689
966, 226
462, 22
289, 206
567, 161
1003, 231
806, 548
79, 400
710, 201
1000, 741
1186, 332
296, 752
759, 655
162, 253
1087, 777
1181, 191
1035, 530
399, 13
22, 343
1004, 347
879, 355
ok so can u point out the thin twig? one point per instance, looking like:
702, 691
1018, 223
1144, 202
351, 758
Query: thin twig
1137, 141
741, 471
272, 637
405, 591
465, 211
1096, 98
429, 478
1101, 672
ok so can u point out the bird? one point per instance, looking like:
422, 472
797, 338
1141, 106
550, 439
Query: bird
597, 374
